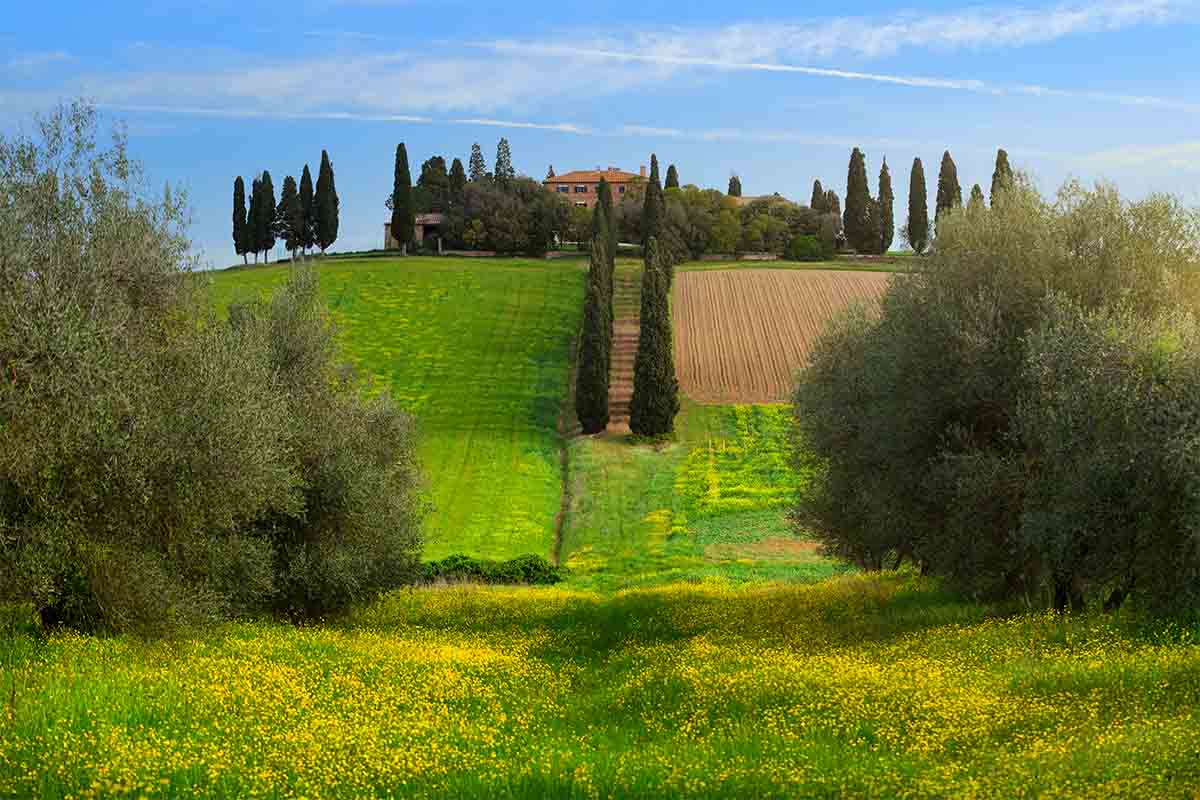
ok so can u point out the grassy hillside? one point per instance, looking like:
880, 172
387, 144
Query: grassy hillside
859, 686
478, 351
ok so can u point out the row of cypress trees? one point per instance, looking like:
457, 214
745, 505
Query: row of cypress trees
868, 223
302, 218
949, 195
655, 401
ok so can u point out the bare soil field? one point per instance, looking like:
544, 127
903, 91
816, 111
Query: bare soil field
740, 335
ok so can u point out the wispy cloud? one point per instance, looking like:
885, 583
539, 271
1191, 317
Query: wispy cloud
561, 127
25, 62
1181, 155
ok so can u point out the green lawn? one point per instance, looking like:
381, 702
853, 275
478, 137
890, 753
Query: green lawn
708, 505
478, 350
861, 686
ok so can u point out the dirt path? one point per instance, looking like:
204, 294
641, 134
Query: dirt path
626, 330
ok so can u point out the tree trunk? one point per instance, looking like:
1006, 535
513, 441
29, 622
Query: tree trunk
245, 259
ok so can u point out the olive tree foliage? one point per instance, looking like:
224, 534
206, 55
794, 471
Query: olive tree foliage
1019, 416
156, 461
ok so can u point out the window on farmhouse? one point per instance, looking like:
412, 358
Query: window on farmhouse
564, 189
580, 190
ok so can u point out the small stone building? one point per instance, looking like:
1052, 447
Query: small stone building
427, 226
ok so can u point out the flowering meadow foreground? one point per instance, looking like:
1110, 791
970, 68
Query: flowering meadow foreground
860, 685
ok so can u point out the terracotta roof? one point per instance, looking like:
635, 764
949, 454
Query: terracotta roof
594, 176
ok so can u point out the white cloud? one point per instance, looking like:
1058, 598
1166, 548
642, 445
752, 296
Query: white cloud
1181, 155
28, 62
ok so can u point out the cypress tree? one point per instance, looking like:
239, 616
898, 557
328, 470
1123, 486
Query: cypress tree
250, 244
604, 222
916, 231
976, 203
591, 384
735, 186
818, 197
949, 194
309, 236
857, 217
458, 183
264, 227
1002, 178
504, 171
403, 216
651, 205
672, 181
326, 201
655, 388
654, 216
289, 217
550, 172
833, 205
887, 201
478, 167
239, 217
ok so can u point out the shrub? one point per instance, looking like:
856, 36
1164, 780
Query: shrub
808, 248
526, 569
977, 425
159, 465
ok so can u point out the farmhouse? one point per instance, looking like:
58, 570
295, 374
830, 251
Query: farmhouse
580, 186
426, 225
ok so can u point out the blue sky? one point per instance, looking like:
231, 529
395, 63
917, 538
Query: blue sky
777, 92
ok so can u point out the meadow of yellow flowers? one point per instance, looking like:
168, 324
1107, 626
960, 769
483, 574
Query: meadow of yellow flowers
857, 686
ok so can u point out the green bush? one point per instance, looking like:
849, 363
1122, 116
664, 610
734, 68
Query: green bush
526, 569
1017, 418
808, 248
159, 465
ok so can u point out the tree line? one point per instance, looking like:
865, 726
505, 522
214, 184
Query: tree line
303, 218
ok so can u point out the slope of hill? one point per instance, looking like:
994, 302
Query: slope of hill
479, 351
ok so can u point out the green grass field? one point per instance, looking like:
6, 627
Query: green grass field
860, 686
478, 350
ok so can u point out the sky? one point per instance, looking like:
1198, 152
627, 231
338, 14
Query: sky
778, 93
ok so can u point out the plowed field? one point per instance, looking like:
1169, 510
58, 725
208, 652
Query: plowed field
741, 335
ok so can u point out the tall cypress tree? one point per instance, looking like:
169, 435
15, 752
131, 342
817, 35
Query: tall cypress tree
239, 217
672, 181
976, 203
604, 222
887, 201
503, 170
818, 197
916, 230
735, 186
326, 201
654, 211
477, 166
1002, 177
250, 244
949, 194
458, 183
592, 379
655, 388
550, 172
289, 216
310, 210
857, 217
403, 216
652, 205
264, 227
